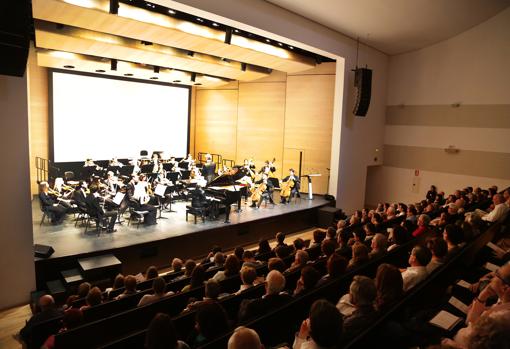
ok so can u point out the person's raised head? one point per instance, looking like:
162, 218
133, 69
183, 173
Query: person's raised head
46, 302
362, 291
275, 282
325, 323
276, 263
130, 283
244, 338
176, 264
151, 272
189, 266
158, 285
420, 256
248, 275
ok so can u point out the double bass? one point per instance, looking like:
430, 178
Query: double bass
286, 188
257, 193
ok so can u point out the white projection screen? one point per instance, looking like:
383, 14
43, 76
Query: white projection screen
101, 118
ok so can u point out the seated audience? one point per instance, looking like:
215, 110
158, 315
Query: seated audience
379, 245
328, 247
219, 261
344, 249
280, 238
423, 225
151, 273
300, 259
176, 265
129, 287
248, 277
264, 248
336, 266
331, 234
211, 322
158, 286
453, 236
412, 214
322, 329
244, 338
389, 286
359, 256
94, 297
210, 256
161, 334
83, 289
273, 298
497, 214
362, 295
197, 279
211, 294
318, 236
239, 251
276, 263
417, 271
249, 260
282, 251
118, 282
72, 318
397, 237
439, 250
309, 278
48, 310
370, 229
232, 267
189, 266
299, 244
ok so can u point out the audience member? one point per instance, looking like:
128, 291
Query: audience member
318, 236
453, 236
48, 310
379, 246
94, 297
158, 286
176, 265
211, 294
362, 295
264, 248
276, 263
359, 255
280, 238
249, 260
309, 278
239, 252
83, 289
273, 298
211, 322
129, 287
423, 225
438, 249
499, 212
189, 266
336, 266
299, 244
197, 278
232, 267
300, 259
151, 273
72, 318
389, 285
322, 329
161, 334
210, 256
344, 249
397, 237
417, 272
219, 261
248, 277
331, 234
118, 282
282, 251
244, 338
328, 247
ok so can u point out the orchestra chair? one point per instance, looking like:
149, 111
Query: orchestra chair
82, 215
68, 175
100, 222
136, 214
47, 214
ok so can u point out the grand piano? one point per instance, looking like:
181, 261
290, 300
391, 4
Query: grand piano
225, 190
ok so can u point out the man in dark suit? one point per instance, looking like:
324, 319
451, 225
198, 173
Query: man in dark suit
96, 211
252, 308
50, 205
48, 311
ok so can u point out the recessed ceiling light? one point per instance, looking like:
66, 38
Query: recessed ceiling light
291, 47
172, 12
197, 84
100, 71
280, 44
215, 24
69, 66
128, 74
235, 30
200, 19
177, 81
154, 78
267, 40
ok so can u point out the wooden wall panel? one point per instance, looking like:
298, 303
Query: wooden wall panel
38, 119
260, 126
215, 122
308, 123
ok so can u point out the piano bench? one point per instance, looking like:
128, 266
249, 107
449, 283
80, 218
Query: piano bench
195, 211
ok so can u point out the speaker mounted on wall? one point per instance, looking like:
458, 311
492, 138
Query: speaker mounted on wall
363, 84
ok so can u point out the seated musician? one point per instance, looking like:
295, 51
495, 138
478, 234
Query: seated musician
209, 168
80, 194
268, 167
199, 200
155, 162
89, 163
114, 162
50, 204
95, 209
294, 191
267, 193
138, 193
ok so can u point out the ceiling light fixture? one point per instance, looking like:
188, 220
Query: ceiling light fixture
215, 24
154, 78
113, 64
177, 81
156, 69
193, 77
128, 74
228, 36
100, 71
172, 12
69, 66
114, 7
199, 20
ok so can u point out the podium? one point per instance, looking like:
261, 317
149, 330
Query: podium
309, 177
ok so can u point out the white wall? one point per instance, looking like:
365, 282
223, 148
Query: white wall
471, 69
359, 137
17, 256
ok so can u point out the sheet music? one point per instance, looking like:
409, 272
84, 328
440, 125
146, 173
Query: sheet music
491, 266
464, 284
160, 190
459, 305
118, 198
212, 198
495, 248
445, 320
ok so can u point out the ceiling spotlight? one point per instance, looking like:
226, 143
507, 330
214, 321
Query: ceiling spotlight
172, 12
197, 84
113, 64
190, 53
69, 66
228, 36
100, 71
193, 77
154, 78
267, 40
280, 44
199, 20
243, 66
146, 43
128, 74
177, 81
156, 69
215, 24
236, 30
291, 47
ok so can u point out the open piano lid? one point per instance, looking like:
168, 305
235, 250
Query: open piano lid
229, 178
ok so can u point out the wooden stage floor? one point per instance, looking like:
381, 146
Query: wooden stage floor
68, 240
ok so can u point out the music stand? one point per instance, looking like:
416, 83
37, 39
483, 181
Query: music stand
167, 166
172, 176
86, 172
275, 182
185, 174
114, 169
160, 193
309, 177
146, 168
126, 170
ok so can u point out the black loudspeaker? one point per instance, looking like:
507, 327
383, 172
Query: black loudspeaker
363, 84
15, 23
43, 251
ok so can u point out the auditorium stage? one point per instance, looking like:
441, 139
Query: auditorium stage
171, 237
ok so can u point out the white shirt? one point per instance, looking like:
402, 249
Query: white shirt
499, 213
412, 276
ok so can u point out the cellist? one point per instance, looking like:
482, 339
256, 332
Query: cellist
290, 186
